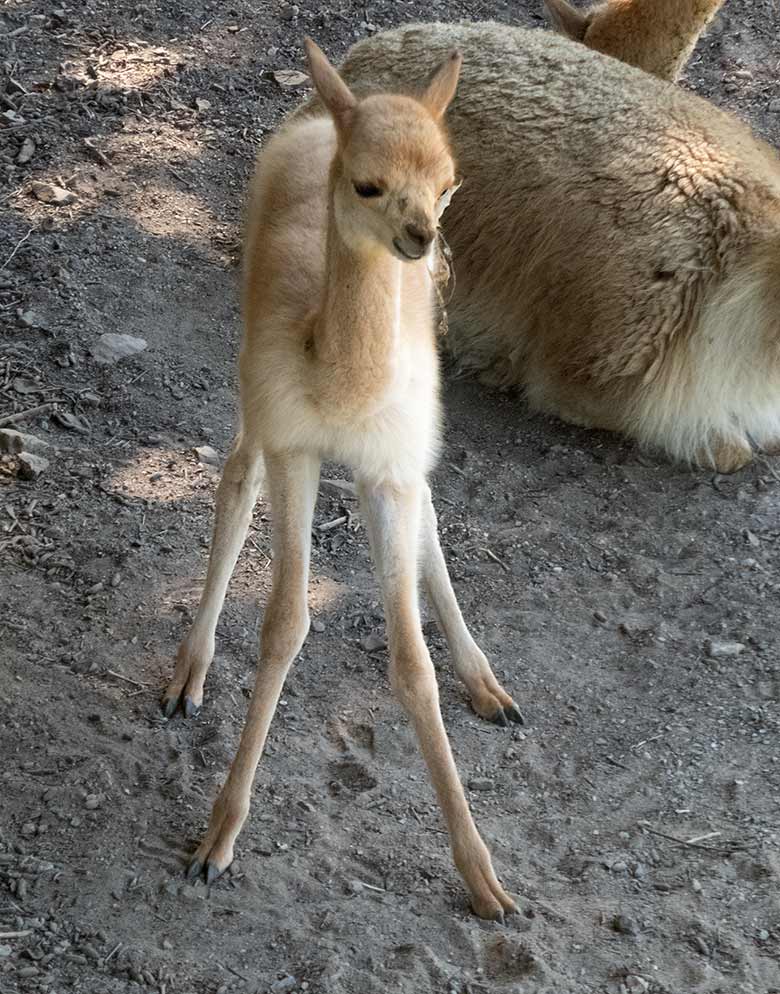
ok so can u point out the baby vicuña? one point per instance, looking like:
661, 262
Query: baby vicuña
339, 361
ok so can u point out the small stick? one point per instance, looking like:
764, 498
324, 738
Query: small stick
614, 762
10, 418
15, 935
491, 555
234, 972
17, 247
701, 838
684, 842
329, 525
115, 950
127, 679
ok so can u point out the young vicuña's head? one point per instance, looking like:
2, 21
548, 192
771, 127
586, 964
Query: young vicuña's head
394, 171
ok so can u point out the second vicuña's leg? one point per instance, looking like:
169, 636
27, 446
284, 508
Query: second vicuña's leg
236, 496
488, 697
292, 486
393, 524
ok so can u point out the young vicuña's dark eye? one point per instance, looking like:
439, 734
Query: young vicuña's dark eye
367, 190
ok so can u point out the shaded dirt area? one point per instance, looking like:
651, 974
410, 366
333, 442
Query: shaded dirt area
592, 575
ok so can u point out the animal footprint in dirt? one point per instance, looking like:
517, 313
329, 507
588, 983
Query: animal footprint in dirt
350, 771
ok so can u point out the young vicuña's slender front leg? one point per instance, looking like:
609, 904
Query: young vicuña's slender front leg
292, 486
488, 697
393, 524
236, 498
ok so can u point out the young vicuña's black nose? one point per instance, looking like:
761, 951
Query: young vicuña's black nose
421, 237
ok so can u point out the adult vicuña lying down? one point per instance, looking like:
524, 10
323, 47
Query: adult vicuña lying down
339, 361
616, 243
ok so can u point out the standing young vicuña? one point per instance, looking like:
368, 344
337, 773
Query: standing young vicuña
616, 242
339, 361
655, 35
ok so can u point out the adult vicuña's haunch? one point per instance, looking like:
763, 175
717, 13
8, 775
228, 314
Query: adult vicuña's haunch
616, 242
339, 361
655, 35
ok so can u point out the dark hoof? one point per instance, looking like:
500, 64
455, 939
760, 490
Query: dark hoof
499, 917
499, 718
169, 705
213, 873
194, 871
514, 714
192, 710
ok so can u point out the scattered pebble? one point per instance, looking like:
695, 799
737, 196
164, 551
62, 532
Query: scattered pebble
111, 347
289, 78
481, 783
718, 650
92, 802
26, 152
50, 193
625, 925
634, 984
31, 466
207, 455
15, 442
5, 951
28, 829
373, 642
317, 625
287, 983
600, 616
774, 106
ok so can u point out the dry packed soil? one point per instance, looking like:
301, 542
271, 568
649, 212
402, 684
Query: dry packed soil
594, 577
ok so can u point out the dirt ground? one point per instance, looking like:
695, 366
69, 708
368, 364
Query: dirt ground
593, 575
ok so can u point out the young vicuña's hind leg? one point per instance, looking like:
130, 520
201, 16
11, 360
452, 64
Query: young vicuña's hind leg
488, 697
236, 498
292, 488
393, 524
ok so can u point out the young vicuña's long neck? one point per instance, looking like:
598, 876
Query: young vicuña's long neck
356, 335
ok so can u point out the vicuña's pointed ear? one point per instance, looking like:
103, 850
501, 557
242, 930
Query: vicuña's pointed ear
442, 85
335, 93
567, 20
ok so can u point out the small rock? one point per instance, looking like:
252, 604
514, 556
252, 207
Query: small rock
774, 106
92, 802
167, 944
600, 616
5, 951
207, 455
26, 152
71, 421
14, 442
373, 642
763, 935
31, 466
619, 866
635, 985
285, 984
696, 886
28, 829
317, 625
30, 320
110, 348
701, 946
201, 104
481, 783
717, 650
288, 78
625, 925
50, 193
27, 971
289, 12
191, 893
